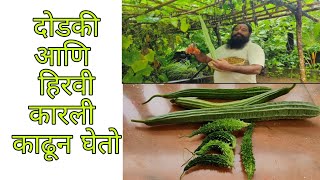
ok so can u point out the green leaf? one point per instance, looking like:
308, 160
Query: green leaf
178, 39
130, 57
316, 30
163, 78
126, 41
146, 71
174, 22
184, 25
131, 77
165, 41
147, 19
150, 56
262, 32
157, 12
139, 65
309, 1
238, 6
225, 6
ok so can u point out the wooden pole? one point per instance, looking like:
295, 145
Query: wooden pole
155, 8
298, 15
217, 31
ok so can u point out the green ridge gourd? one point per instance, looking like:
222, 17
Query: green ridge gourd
250, 113
206, 93
193, 103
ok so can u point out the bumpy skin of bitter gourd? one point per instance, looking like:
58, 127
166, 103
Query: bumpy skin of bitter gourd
246, 151
220, 146
209, 159
223, 136
220, 125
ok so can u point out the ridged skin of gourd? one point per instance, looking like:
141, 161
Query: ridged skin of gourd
206, 93
250, 113
194, 103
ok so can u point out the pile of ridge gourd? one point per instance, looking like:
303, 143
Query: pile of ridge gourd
250, 105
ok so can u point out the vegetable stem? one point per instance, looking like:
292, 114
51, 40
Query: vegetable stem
207, 39
157, 95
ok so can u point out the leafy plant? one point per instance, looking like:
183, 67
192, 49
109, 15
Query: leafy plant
179, 70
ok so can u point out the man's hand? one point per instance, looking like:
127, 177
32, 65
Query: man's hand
193, 50
224, 65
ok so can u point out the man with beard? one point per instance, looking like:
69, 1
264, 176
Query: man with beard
239, 46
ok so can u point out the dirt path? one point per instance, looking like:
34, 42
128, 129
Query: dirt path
266, 79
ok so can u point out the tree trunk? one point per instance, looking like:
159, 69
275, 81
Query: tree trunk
298, 15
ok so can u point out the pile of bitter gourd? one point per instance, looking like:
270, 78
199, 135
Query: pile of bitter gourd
220, 139
250, 105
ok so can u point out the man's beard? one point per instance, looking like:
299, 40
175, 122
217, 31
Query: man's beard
236, 42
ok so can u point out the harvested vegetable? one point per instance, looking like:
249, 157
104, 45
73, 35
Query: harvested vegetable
220, 125
247, 157
231, 60
207, 39
250, 113
205, 93
220, 146
223, 136
208, 159
235, 60
192, 103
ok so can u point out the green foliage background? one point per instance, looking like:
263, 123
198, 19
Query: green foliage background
149, 44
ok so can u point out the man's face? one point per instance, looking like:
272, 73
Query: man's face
240, 31
239, 37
